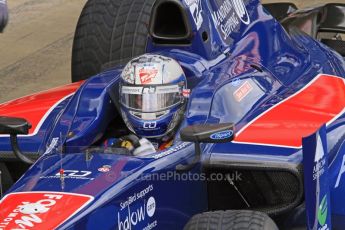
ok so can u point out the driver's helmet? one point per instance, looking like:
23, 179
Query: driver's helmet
153, 93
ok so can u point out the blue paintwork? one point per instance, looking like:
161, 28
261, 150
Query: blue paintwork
288, 62
317, 192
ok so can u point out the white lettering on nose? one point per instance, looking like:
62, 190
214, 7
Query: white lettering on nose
28, 221
53, 196
46, 202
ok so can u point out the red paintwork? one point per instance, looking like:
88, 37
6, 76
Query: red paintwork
37, 106
298, 116
39, 210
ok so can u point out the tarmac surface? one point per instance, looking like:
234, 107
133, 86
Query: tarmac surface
35, 50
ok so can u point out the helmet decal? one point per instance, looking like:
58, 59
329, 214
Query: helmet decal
128, 74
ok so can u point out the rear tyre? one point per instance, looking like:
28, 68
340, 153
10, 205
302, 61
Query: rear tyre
280, 10
109, 31
231, 220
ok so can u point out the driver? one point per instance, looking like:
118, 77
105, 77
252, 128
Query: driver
3, 14
153, 95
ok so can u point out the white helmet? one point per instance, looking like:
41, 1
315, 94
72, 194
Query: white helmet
152, 95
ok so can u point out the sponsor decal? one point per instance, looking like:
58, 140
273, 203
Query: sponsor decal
34, 208
172, 150
104, 168
228, 16
186, 93
70, 174
138, 211
316, 181
132, 90
195, 8
243, 91
241, 11
150, 125
151, 206
319, 160
147, 75
322, 213
39, 210
149, 90
138, 90
222, 135
168, 89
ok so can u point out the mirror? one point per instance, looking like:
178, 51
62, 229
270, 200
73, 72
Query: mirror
13, 125
208, 133
205, 133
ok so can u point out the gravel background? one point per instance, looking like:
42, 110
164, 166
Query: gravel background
35, 50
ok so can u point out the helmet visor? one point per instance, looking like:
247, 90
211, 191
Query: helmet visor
150, 99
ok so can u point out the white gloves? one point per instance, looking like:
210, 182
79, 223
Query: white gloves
145, 148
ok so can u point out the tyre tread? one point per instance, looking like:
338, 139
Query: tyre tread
109, 30
231, 220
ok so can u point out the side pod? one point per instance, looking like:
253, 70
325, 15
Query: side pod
316, 181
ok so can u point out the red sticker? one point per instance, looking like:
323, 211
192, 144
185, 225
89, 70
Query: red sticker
104, 168
243, 91
39, 210
146, 75
186, 92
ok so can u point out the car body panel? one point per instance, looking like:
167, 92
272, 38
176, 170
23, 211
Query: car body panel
250, 75
40, 110
32, 205
320, 102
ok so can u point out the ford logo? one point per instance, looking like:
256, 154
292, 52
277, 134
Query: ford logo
222, 135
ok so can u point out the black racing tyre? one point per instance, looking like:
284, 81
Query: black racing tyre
108, 31
231, 220
280, 10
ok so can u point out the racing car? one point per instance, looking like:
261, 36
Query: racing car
260, 145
